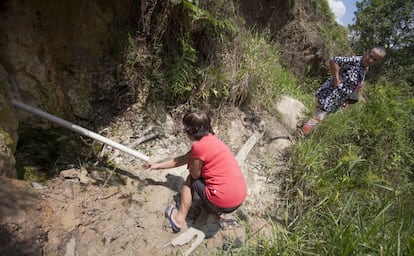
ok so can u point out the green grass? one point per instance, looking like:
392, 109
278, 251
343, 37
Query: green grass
355, 172
349, 186
260, 77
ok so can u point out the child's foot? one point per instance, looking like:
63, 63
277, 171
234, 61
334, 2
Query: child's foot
169, 214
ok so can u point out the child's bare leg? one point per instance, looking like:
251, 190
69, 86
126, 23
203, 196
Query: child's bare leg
186, 198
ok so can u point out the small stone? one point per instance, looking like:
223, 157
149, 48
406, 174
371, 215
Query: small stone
37, 185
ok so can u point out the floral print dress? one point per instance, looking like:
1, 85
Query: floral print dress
351, 75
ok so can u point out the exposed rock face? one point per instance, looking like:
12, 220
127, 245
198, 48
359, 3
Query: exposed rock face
8, 133
59, 57
7, 160
294, 25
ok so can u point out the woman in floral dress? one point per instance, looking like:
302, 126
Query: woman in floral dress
348, 74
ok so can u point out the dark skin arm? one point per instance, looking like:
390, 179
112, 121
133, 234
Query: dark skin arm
334, 68
195, 168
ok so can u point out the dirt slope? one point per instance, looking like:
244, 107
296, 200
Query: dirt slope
120, 212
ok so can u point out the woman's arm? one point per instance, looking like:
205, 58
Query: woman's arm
334, 68
171, 163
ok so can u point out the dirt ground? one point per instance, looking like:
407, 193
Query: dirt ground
97, 211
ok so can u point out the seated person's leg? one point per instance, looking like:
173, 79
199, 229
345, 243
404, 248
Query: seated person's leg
199, 187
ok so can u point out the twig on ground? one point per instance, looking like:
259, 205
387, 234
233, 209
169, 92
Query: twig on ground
106, 197
144, 139
48, 196
103, 185
85, 200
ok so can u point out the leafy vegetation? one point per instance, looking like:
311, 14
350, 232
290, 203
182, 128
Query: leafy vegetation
260, 78
212, 59
184, 58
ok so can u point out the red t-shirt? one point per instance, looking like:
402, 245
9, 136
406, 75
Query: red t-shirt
225, 184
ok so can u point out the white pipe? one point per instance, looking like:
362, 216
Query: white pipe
79, 129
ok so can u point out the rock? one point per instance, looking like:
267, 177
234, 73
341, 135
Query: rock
36, 185
71, 247
83, 177
291, 110
70, 173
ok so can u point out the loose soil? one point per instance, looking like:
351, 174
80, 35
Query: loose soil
120, 211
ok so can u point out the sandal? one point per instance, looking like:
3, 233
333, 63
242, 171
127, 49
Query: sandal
227, 223
168, 214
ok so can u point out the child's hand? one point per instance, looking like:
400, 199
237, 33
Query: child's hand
149, 166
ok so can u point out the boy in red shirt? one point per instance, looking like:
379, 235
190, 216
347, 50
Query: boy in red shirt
214, 173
